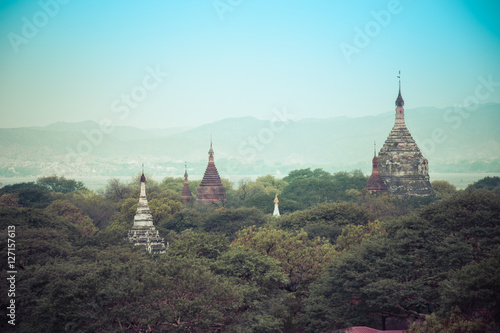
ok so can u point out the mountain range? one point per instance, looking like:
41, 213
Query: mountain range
452, 139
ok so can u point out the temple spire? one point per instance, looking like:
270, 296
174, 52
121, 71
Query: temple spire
187, 197
399, 100
143, 231
143, 178
400, 163
400, 111
375, 182
276, 212
211, 189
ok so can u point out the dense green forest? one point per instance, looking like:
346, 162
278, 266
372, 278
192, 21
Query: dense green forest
336, 257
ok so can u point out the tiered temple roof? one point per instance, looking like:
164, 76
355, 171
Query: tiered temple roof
400, 163
375, 183
187, 197
211, 189
143, 231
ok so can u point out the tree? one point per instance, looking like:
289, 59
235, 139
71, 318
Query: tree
260, 280
382, 206
474, 290
9, 200
397, 273
199, 245
136, 295
165, 204
326, 220
70, 212
354, 234
98, 207
302, 259
455, 323
443, 188
30, 194
229, 221
116, 191
311, 187
488, 183
60, 184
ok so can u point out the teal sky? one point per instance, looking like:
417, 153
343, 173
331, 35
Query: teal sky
230, 58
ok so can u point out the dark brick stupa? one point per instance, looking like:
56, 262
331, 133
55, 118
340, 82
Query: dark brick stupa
400, 163
187, 197
375, 183
211, 189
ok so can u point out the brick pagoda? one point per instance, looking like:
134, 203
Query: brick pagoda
211, 190
400, 163
375, 183
187, 197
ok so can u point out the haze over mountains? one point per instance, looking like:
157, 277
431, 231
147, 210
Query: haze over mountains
453, 140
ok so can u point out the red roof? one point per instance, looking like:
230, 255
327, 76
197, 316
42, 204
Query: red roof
375, 182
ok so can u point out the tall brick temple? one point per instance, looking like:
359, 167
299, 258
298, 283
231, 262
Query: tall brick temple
143, 232
400, 163
211, 190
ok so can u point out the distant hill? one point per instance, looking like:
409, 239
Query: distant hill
452, 141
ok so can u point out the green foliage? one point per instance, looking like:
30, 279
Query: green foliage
443, 189
310, 188
333, 265
259, 193
455, 323
302, 259
354, 234
224, 221
199, 245
134, 295
9, 200
487, 183
470, 217
397, 273
96, 206
382, 205
259, 279
182, 220
60, 184
116, 191
229, 221
325, 220
29, 194
474, 289
70, 212
166, 205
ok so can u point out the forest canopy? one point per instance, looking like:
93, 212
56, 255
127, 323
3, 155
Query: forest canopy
336, 257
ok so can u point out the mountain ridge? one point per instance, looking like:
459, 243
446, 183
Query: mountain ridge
251, 145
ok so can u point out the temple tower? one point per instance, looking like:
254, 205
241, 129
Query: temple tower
211, 189
187, 197
143, 231
400, 163
276, 212
375, 183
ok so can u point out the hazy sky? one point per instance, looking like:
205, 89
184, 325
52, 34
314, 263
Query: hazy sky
184, 63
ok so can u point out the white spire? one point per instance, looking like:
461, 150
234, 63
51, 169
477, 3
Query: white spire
276, 209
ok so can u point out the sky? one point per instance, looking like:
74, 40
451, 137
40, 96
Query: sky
161, 64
